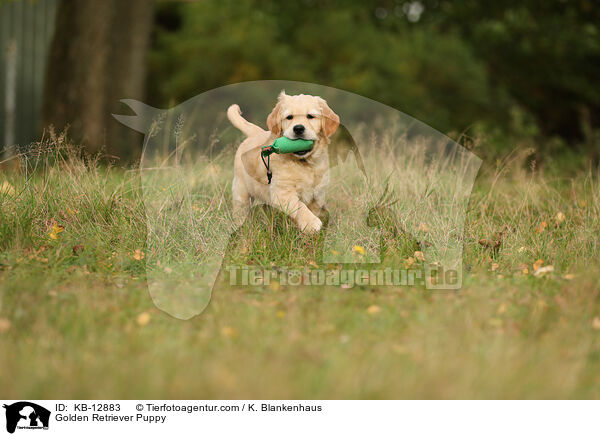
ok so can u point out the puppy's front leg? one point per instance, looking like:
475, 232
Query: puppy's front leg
289, 203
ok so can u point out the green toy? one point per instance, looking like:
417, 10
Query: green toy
283, 145
287, 145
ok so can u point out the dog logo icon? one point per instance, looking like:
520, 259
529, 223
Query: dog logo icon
26, 415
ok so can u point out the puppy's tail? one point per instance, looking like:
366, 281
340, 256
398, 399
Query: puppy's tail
235, 116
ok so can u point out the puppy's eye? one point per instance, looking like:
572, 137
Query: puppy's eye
289, 117
310, 117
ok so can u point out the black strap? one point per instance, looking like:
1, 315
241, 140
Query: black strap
267, 163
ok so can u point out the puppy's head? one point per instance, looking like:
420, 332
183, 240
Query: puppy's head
303, 117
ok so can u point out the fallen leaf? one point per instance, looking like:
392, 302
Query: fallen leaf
569, 276
537, 264
143, 319
55, 230
543, 270
494, 245
374, 309
358, 249
560, 217
419, 256
409, 262
542, 227
495, 266
228, 332
4, 325
138, 254
495, 242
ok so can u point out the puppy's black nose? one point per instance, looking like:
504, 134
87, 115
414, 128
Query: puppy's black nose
298, 129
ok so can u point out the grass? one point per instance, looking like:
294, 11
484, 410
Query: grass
76, 320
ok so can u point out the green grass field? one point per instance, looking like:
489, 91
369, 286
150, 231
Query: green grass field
76, 320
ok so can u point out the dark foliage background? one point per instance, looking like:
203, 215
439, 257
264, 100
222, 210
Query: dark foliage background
504, 68
503, 73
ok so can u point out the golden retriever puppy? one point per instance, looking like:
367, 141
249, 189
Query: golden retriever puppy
299, 180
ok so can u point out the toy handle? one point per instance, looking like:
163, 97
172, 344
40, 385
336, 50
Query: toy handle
267, 150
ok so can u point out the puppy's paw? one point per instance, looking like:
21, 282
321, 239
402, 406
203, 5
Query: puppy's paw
312, 226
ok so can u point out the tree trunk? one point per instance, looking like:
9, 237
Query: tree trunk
97, 58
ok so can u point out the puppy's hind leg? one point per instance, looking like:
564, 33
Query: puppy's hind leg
317, 208
241, 202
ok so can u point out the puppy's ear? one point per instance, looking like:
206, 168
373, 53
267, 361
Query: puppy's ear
330, 119
274, 120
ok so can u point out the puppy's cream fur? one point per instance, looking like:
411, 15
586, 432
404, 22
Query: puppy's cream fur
299, 182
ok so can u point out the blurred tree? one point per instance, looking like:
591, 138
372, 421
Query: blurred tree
432, 76
98, 56
448, 63
545, 53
